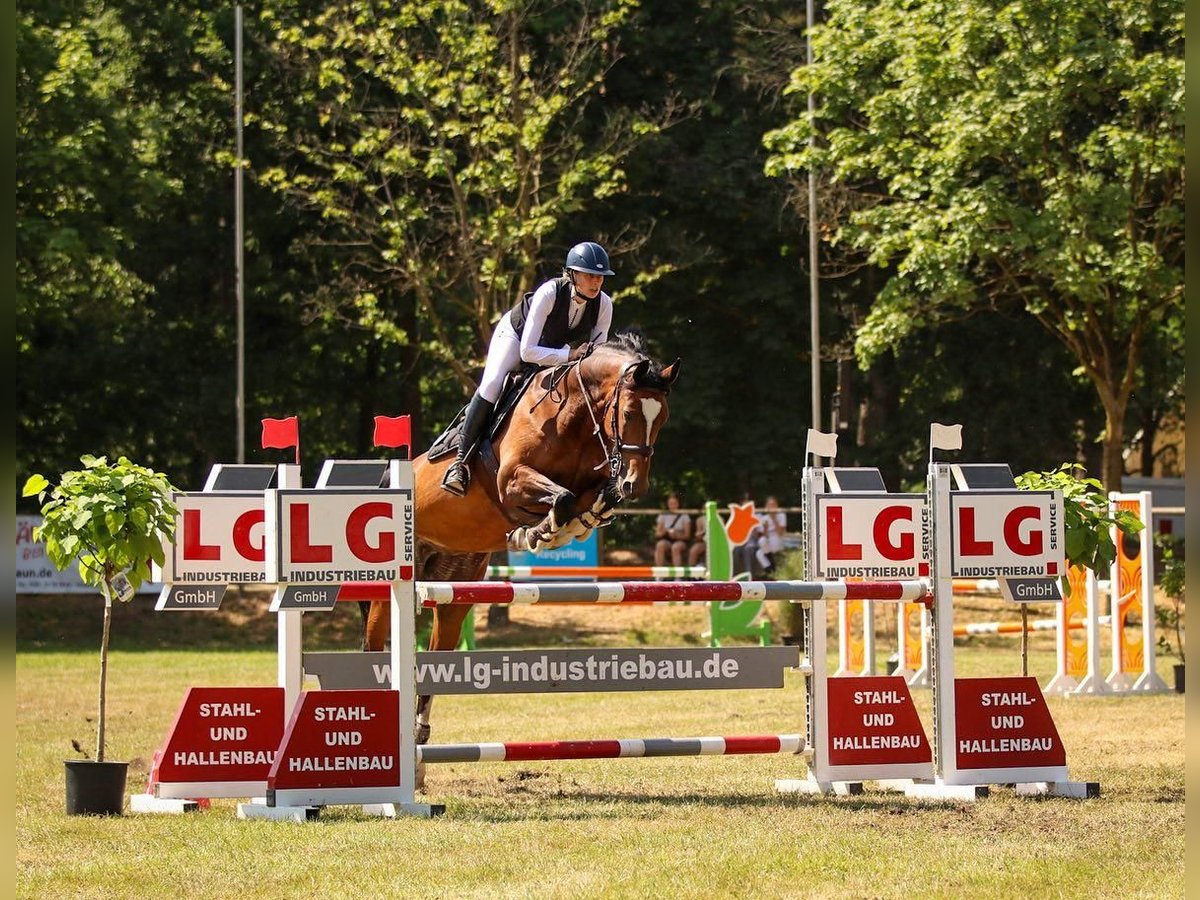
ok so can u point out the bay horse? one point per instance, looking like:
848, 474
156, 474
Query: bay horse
577, 443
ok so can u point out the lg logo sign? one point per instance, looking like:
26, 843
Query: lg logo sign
1006, 533
869, 536
366, 539
219, 538
329, 536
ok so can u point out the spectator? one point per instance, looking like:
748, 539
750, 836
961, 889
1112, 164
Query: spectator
672, 529
774, 524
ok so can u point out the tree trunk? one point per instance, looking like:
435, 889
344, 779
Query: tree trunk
103, 670
1113, 461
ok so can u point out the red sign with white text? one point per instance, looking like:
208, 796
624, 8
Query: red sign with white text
223, 734
219, 539
340, 739
1004, 723
870, 536
872, 721
1006, 534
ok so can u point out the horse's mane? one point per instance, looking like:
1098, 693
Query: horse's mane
630, 344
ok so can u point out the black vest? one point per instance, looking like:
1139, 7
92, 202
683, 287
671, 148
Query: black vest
557, 333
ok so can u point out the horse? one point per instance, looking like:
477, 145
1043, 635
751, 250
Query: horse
577, 443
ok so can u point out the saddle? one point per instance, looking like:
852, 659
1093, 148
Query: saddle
515, 385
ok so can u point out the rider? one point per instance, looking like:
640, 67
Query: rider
548, 327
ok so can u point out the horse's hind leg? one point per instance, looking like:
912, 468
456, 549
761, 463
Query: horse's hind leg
377, 627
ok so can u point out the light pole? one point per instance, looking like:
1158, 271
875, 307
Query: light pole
239, 242
814, 272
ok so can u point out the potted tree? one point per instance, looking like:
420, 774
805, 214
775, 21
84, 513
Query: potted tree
1169, 619
113, 519
1088, 526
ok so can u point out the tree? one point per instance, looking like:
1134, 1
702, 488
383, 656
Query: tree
445, 144
1024, 156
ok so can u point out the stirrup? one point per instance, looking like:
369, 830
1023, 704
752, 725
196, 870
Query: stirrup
457, 479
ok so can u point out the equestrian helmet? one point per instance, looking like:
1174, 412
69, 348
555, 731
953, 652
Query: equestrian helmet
588, 257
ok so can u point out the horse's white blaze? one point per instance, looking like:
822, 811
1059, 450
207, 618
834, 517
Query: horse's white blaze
650, 409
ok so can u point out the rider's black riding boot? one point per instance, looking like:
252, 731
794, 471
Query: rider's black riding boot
458, 476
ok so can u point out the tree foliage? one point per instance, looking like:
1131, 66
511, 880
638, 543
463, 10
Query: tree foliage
447, 143
1018, 155
411, 169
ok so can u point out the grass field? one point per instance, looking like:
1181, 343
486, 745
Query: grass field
691, 827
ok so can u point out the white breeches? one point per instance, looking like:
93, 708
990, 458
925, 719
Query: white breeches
504, 356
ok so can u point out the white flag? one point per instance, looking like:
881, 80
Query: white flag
945, 437
821, 444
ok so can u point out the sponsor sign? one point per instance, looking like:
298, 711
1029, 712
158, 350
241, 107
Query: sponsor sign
219, 539
872, 721
1004, 723
870, 536
35, 574
309, 596
340, 739
1030, 590
331, 536
562, 671
1006, 534
223, 734
190, 596
584, 552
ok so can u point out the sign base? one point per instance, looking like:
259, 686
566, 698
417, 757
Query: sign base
148, 803
810, 785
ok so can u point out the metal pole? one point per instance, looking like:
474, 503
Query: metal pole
814, 272
239, 242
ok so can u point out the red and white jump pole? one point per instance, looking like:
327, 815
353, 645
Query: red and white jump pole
435, 593
630, 748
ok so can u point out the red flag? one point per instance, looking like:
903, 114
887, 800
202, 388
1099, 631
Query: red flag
394, 431
281, 433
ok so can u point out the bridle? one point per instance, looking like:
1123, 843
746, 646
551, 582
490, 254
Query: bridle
614, 455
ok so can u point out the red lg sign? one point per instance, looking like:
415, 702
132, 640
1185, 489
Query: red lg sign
380, 549
337, 536
219, 538
869, 536
1006, 533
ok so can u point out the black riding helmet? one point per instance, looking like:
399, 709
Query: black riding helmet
588, 257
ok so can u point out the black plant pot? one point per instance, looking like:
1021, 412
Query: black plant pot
95, 788
1179, 678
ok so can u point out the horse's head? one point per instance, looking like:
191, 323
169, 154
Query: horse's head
633, 409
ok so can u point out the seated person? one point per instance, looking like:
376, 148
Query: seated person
774, 524
671, 532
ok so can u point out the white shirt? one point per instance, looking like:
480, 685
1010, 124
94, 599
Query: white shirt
535, 320
774, 524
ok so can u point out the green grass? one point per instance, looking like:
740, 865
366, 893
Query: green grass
619, 828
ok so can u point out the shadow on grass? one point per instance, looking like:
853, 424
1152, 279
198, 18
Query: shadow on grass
517, 802
73, 622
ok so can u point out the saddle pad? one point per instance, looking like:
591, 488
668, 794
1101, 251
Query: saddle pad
515, 386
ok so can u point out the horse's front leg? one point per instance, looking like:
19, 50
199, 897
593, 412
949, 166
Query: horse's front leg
526, 492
